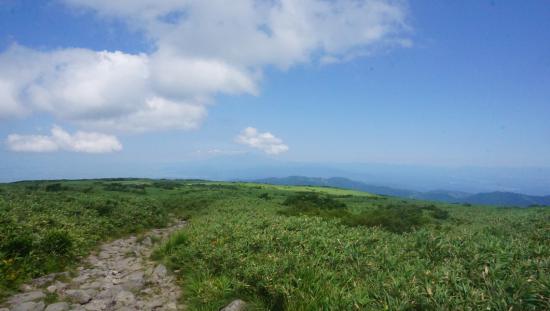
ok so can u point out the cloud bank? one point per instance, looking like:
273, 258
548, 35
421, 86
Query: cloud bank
265, 142
87, 142
199, 49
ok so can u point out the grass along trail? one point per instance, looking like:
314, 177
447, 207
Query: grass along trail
119, 276
292, 248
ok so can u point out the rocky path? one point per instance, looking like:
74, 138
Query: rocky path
119, 276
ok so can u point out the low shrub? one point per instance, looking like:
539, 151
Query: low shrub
397, 219
17, 245
57, 243
311, 200
166, 184
436, 212
131, 188
103, 207
57, 187
264, 196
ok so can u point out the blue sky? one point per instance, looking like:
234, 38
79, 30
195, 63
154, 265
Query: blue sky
440, 83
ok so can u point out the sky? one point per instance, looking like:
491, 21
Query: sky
93, 88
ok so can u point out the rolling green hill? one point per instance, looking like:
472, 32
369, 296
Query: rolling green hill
286, 247
489, 198
336, 182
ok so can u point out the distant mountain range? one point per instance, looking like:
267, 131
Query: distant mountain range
488, 198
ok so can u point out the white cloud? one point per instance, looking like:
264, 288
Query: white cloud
266, 141
187, 77
260, 32
157, 114
199, 49
8, 103
31, 143
81, 85
101, 90
87, 142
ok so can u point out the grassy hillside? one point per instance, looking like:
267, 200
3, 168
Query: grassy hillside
289, 248
47, 226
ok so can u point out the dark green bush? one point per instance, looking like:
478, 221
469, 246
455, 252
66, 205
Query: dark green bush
56, 243
313, 204
57, 187
397, 218
307, 200
131, 188
436, 212
394, 218
265, 196
32, 187
166, 184
19, 245
103, 207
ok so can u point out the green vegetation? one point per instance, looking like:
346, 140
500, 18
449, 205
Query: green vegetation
392, 217
47, 226
289, 248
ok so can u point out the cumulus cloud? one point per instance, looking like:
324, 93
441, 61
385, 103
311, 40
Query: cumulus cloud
8, 103
102, 90
157, 114
87, 142
199, 49
266, 141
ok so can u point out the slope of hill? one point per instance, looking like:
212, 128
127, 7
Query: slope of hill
441, 196
488, 198
337, 182
507, 198
275, 247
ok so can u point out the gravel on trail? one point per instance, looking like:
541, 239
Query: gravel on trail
119, 276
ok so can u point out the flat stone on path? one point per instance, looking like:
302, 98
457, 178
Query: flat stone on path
29, 306
26, 297
235, 305
79, 295
51, 289
160, 272
124, 298
134, 281
59, 306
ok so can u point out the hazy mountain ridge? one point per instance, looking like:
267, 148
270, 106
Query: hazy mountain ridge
486, 198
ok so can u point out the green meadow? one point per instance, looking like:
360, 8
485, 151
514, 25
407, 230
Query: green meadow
288, 248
